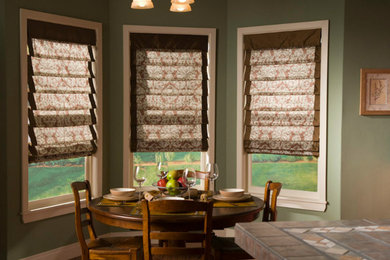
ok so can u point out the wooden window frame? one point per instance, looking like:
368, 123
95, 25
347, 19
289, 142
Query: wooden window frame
288, 198
59, 205
206, 157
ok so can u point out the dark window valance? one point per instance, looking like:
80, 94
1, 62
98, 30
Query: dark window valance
60, 32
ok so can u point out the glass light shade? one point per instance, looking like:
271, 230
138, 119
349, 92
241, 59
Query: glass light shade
182, 1
142, 4
180, 8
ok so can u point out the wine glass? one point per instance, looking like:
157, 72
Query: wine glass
139, 179
161, 170
213, 170
190, 179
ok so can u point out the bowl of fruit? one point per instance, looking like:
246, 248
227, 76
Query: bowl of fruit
172, 183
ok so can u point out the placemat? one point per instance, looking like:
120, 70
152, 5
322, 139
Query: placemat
200, 213
224, 204
112, 203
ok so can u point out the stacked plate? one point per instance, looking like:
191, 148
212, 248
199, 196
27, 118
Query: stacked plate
122, 194
232, 194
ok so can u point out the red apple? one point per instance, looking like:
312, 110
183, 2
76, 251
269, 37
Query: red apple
162, 183
182, 181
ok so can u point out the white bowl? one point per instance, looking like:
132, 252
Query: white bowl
122, 191
232, 192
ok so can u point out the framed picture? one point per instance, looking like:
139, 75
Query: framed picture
374, 92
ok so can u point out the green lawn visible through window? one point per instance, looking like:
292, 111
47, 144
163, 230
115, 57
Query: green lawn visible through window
174, 161
53, 178
294, 172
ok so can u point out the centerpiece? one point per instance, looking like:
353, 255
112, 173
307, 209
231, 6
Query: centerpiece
172, 183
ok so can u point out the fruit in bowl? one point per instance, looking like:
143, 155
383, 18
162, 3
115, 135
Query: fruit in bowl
162, 183
173, 187
174, 174
181, 182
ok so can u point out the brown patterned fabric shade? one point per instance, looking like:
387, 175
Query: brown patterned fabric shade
62, 105
282, 72
169, 88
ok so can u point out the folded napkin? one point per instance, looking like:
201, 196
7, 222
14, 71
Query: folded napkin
112, 203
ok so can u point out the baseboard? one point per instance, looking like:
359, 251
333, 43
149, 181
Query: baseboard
60, 253
73, 250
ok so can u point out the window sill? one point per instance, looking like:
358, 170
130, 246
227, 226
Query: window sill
32, 215
298, 202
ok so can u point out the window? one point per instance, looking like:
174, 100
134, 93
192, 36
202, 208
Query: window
282, 111
61, 98
169, 78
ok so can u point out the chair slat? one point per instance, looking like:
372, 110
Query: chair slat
185, 236
177, 251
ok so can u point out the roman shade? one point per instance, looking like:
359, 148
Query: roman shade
169, 88
282, 88
61, 93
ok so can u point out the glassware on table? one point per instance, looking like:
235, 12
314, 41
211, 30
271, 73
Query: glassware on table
213, 170
139, 179
161, 170
190, 179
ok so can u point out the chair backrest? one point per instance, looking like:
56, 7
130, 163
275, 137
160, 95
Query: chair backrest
270, 212
80, 221
204, 176
150, 208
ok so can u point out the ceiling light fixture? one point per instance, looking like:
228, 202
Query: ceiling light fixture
142, 4
180, 8
176, 5
182, 1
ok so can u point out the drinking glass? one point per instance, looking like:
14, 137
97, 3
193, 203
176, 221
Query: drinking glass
161, 170
139, 179
190, 179
213, 170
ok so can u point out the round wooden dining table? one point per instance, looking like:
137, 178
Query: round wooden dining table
127, 217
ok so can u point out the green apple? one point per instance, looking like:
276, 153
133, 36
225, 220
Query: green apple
173, 174
172, 187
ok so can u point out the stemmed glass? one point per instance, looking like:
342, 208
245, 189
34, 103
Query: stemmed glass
212, 168
139, 179
161, 170
190, 179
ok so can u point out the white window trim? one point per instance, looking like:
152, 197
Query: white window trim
127, 30
287, 198
62, 204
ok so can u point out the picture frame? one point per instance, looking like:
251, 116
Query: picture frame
374, 92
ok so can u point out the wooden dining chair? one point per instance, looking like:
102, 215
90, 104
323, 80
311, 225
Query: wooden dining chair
126, 248
201, 175
270, 212
175, 239
225, 248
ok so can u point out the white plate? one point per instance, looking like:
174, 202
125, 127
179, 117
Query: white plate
120, 198
171, 198
241, 198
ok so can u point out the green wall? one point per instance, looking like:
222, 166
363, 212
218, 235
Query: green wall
255, 13
3, 175
365, 139
28, 239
